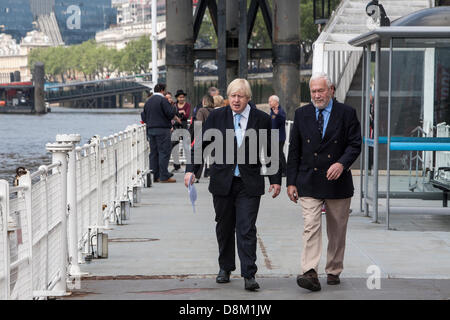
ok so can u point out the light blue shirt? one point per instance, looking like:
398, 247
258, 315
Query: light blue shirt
326, 115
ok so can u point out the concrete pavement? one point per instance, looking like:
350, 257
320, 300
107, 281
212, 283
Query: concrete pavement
165, 251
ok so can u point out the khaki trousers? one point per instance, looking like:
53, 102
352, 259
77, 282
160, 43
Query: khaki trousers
337, 213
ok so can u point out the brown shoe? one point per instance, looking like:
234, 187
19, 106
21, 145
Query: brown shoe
170, 180
156, 181
309, 280
332, 279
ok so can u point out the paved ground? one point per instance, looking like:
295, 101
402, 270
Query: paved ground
165, 251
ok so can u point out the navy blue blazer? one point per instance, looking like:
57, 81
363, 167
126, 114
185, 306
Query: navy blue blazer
221, 172
158, 112
279, 122
310, 156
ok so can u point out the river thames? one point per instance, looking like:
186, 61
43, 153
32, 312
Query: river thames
23, 137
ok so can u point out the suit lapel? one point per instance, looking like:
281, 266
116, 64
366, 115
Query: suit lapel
230, 125
311, 123
251, 122
229, 119
335, 117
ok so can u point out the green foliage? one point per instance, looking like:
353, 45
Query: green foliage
207, 37
92, 60
137, 56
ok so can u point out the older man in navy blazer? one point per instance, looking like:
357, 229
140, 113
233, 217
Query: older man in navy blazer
325, 140
237, 186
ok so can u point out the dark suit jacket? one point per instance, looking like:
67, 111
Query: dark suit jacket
221, 175
158, 112
310, 156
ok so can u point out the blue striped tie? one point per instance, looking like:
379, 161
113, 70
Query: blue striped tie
238, 132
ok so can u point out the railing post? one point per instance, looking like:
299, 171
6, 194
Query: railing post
4, 212
98, 169
25, 181
59, 152
72, 139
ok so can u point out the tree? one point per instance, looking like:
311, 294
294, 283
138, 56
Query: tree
137, 56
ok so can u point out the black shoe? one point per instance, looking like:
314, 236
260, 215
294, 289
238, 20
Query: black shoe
251, 284
309, 280
223, 276
333, 279
170, 175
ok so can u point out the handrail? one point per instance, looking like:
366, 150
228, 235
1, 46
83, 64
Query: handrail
56, 214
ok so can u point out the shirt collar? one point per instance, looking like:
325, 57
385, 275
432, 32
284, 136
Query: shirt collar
158, 94
328, 107
244, 113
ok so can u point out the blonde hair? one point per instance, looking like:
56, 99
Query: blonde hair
241, 85
218, 101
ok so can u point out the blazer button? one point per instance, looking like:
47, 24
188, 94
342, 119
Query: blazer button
308, 140
315, 154
315, 169
335, 141
329, 156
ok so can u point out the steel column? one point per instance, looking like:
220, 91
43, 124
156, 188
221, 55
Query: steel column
180, 46
232, 34
388, 163
286, 54
376, 127
243, 43
366, 129
222, 46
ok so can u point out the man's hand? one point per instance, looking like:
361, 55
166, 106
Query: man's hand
187, 179
276, 190
292, 193
335, 171
275, 110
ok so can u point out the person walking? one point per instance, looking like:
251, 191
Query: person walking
325, 141
237, 187
278, 116
157, 115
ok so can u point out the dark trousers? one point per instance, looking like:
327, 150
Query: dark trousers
160, 148
236, 216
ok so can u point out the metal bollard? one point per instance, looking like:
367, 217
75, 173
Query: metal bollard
148, 182
136, 194
124, 210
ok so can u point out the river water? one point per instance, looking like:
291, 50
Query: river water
23, 137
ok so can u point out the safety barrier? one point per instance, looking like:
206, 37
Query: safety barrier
443, 157
48, 220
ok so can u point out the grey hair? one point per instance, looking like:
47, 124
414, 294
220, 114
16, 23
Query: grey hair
274, 97
321, 75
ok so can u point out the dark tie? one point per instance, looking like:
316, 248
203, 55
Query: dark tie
320, 122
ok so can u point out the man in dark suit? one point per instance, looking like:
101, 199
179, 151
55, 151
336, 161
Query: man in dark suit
157, 115
237, 185
325, 140
278, 116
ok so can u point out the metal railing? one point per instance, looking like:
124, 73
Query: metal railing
48, 219
442, 157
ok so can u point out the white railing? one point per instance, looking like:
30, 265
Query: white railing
333, 55
47, 220
5, 77
443, 157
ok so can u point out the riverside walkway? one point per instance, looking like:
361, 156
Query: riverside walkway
166, 251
